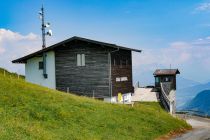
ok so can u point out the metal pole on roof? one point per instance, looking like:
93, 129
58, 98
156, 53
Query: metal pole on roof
44, 33
43, 28
110, 71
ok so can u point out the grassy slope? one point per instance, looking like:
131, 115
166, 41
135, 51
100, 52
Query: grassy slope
29, 111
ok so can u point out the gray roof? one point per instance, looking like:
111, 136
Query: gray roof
39, 53
166, 72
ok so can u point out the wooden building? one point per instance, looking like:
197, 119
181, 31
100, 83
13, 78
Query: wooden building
82, 66
166, 75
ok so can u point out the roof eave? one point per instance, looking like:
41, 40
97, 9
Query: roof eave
25, 58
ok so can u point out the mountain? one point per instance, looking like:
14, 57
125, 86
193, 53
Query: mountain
30, 111
184, 83
185, 95
200, 104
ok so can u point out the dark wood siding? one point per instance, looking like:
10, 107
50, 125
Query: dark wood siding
82, 80
122, 67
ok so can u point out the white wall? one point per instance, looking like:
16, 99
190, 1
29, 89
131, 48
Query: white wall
34, 75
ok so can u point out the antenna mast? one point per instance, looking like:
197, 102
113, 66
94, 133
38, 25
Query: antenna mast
44, 33
43, 28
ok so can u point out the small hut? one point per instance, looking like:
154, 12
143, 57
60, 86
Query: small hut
166, 75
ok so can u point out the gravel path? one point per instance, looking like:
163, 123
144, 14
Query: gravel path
201, 129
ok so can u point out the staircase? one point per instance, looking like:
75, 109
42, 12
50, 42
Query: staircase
167, 97
165, 94
145, 95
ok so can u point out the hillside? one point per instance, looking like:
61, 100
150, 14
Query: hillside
200, 103
29, 111
4, 72
185, 95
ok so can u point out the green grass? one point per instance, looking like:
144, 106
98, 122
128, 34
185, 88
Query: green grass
10, 74
28, 111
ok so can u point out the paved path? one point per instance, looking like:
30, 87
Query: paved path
144, 94
201, 129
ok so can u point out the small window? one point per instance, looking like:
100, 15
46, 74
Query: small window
127, 62
167, 79
80, 59
124, 78
83, 60
123, 62
114, 62
41, 66
118, 79
121, 79
157, 79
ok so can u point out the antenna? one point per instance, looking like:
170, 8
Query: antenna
170, 66
43, 27
44, 33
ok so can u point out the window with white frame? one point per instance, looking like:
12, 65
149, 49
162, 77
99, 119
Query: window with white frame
121, 79
118, 79
80, 59
124, 78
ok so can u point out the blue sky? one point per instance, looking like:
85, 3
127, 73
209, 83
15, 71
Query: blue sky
169, 32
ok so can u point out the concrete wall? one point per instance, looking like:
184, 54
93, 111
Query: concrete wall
35, 75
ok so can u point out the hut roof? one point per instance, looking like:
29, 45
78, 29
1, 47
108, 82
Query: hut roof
75, 38
159, 72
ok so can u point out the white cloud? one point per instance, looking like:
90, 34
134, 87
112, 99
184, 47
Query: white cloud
187, 56
203, 7
202, 41
2, 50
176, 53
179, 45
191, 57
14, 45
8, 35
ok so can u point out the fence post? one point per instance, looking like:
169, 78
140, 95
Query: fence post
93, 94
67, 89
123, 99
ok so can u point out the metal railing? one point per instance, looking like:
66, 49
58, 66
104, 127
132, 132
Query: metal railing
165, 92
167, 96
